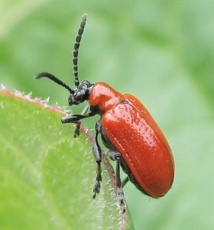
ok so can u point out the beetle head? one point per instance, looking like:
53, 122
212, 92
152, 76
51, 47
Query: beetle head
78, 95
81, 93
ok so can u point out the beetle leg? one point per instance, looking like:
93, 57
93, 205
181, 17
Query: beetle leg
124, 182
98, 157
77, 129
85, 111
75, 118
121, 198
115, 156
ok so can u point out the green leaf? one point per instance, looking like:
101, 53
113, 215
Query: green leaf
46, 175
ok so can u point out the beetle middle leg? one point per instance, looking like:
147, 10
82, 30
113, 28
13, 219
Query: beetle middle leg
98, 157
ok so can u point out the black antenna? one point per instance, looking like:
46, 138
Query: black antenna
76, 49
55, 79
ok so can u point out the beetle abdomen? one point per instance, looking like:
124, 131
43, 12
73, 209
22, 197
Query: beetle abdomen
141, 145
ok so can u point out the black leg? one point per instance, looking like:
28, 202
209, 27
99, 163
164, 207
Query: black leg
77, 129
97, 185
98, 157
121, 198
124, 182
115, 156
75, 118
85, 111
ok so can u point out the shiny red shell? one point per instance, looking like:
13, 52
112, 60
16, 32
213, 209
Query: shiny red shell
132, 131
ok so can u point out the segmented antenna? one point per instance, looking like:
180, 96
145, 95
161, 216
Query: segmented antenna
55, 79
76, 49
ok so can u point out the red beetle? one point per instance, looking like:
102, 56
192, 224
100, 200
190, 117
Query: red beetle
127, 129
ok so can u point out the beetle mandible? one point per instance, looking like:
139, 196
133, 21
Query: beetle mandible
127, 129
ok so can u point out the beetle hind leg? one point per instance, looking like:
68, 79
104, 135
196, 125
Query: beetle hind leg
121, 198
115, 156
125, 181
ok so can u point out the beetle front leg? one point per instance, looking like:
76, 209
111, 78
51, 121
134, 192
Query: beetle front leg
77, 129
98, 157
75, 118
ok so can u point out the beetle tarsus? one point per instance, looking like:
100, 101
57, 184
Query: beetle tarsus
121, 199
96, 189
120, 194
77, 130
97, 185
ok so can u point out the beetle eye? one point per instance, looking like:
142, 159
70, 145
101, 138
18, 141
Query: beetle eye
71, 99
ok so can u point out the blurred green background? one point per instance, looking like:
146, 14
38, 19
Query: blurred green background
160, 51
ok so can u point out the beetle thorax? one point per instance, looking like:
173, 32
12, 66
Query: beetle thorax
103, 97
